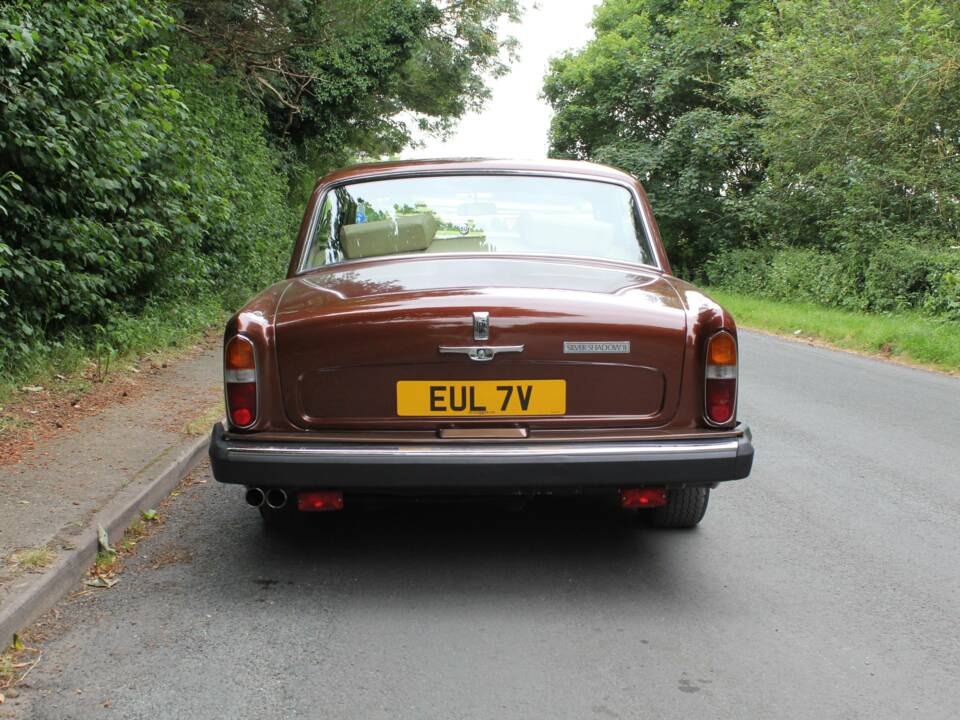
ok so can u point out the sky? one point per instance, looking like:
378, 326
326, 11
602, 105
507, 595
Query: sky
515, 121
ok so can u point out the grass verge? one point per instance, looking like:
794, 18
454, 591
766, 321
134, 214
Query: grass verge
75, 361
910, 337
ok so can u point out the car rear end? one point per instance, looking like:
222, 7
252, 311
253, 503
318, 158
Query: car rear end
474, 370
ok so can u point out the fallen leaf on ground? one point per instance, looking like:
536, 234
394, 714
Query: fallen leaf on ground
102, 582
32, 388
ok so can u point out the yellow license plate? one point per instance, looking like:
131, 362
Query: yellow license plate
419, 398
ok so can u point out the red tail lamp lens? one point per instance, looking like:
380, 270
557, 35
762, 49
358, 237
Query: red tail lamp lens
643, 497
319, 501
721, 396
242, 399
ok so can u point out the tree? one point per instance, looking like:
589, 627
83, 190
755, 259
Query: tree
334, 76
148, 147
653, 93
862, 122
803, 149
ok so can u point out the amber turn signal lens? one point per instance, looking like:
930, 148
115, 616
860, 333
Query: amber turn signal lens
722, 350
239, 354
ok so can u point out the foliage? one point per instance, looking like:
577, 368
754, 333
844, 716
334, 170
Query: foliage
9, 184
131, 188
340, 76
862, 121
805, 150
82, 125
652, 93
153, 152
893, 276
907, 335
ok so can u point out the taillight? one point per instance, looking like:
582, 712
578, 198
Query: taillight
240, 378
720, 388
319, 500
643, 497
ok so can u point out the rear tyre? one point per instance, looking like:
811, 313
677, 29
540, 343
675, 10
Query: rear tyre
684, 509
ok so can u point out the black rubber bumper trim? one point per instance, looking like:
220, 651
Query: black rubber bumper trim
382, 468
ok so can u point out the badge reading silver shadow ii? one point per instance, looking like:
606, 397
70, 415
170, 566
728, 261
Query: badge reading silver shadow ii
607, 346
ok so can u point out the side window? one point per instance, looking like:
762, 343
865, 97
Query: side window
322, 248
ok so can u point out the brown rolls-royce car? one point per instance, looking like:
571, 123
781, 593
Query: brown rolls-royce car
479, 327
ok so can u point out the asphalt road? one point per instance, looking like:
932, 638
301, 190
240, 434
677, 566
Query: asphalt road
825, 586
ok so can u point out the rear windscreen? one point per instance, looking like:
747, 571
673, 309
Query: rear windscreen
478, 214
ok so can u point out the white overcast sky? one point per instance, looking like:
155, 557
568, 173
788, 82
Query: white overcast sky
515, 121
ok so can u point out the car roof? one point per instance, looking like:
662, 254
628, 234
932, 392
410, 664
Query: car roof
446, 165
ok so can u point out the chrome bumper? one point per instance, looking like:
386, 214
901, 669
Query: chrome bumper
464, 467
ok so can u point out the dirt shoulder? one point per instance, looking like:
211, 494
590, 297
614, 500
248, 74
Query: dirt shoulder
71, 451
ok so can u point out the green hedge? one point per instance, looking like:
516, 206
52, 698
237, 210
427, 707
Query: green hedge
130, 175
886, 277
820, 135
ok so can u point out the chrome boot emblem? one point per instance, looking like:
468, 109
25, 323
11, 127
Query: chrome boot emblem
481, 326
480, 353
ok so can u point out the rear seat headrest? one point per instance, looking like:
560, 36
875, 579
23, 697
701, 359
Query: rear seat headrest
406, 233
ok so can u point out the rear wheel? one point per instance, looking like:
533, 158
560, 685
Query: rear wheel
684, 509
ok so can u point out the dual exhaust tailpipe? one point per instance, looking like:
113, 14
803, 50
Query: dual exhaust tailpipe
274, 498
